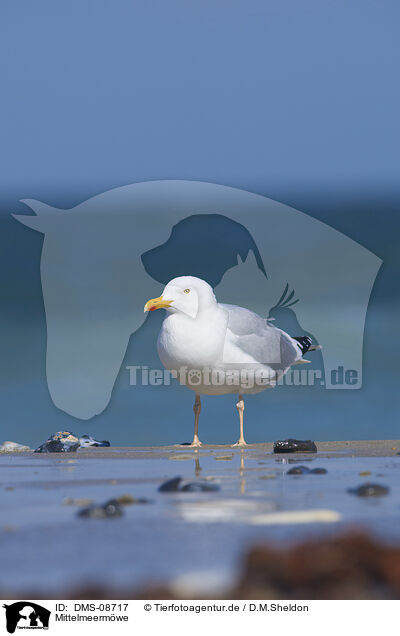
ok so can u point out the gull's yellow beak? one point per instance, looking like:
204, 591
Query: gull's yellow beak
157, 303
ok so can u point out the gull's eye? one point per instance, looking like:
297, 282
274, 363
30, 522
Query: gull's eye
186, 291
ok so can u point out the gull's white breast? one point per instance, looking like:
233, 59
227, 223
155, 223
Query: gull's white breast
195, 343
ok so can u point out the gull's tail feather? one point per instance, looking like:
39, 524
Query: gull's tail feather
301, 361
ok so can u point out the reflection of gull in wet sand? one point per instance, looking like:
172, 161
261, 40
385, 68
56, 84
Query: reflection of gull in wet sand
221, 348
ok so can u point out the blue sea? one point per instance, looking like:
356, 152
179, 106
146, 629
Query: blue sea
157, 415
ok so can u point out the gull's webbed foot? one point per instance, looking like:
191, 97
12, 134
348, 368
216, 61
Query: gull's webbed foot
240, 444
196, 443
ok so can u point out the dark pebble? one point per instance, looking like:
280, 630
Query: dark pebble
110, 509
298, 470
199, 486
369, 490
303, 470
172, 485
294, 446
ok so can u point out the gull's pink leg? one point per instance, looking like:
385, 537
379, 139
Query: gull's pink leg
240, 408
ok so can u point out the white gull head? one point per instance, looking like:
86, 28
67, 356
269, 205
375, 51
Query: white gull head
189, 295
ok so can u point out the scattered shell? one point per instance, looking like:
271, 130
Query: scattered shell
181, 458
296, 516
128, 500
13, 447
61, 442
69, 501
364, 473
232, 510
88, 440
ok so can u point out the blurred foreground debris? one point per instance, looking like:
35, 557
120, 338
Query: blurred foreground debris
349, 567
352, 566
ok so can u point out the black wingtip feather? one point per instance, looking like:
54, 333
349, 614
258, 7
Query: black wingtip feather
305, 343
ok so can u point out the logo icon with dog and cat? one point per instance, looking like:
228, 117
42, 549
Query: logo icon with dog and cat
26, 615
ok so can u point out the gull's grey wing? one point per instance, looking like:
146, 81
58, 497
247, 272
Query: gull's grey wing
253, 336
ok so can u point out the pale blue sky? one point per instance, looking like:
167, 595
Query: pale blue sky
296, 99
252, 93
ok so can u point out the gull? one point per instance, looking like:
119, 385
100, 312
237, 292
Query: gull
215, 348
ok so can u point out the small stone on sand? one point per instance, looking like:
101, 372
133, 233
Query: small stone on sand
369, 490
174, 485
304, 470
108, 510
294, 446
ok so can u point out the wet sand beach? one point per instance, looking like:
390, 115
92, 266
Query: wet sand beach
189, 540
